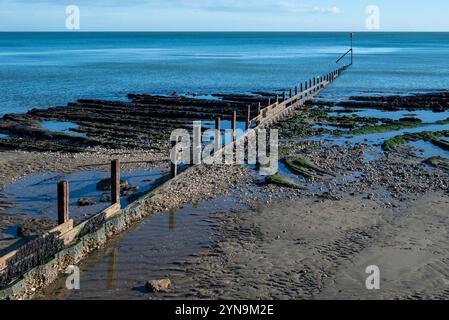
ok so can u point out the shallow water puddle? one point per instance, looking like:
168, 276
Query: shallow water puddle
376, 138
61, 126
36, 195
427, 150
154, 249
4, 136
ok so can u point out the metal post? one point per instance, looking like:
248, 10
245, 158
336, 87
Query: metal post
352, 50
300, 89
115, 181
234, 125
259, 107
196, 142
248, 117
63, 202
296, 90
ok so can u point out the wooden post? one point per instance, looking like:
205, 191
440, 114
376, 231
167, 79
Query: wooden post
300, 90
306, 87
218, 124
174, 159
283, 96
269, 101
63, 202
259, 107
115, 181
277, 99
196, 142
217, 134
314, 83
291, 93
296, 90
248, 117
234, 125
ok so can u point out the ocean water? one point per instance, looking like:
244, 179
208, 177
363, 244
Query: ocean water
38, 70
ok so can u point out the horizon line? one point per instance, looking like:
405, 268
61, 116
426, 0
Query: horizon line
218, 31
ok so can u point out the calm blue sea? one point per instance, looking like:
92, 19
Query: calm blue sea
44, 69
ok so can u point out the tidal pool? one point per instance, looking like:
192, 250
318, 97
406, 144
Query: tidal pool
36, 195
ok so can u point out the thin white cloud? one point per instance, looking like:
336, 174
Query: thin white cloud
294, 6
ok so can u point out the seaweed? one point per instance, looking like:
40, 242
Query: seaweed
281, 181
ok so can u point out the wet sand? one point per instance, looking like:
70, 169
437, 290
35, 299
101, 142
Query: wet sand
314, 249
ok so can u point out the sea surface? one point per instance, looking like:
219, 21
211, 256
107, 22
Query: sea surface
38, 70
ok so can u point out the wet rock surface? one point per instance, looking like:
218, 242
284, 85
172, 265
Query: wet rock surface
145, 121
437, 101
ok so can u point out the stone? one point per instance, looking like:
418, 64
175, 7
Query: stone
158, 285
105, 184
105, 197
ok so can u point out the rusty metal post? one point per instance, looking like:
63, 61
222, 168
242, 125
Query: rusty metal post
248, 117
218, 124
115, 181
197, 142
63, 202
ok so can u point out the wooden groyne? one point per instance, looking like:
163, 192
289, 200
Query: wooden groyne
41, 260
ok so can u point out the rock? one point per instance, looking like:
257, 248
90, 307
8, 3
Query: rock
105, 184
35, 227
157, 285
84, 202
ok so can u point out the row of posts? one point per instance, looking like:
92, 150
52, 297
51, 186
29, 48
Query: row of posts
312, 83
63, 187
63, 193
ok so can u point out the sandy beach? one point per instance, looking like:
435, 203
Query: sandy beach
319, 249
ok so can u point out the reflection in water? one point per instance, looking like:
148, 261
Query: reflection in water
112, 272
172, 220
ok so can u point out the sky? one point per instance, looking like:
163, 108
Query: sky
226, 15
